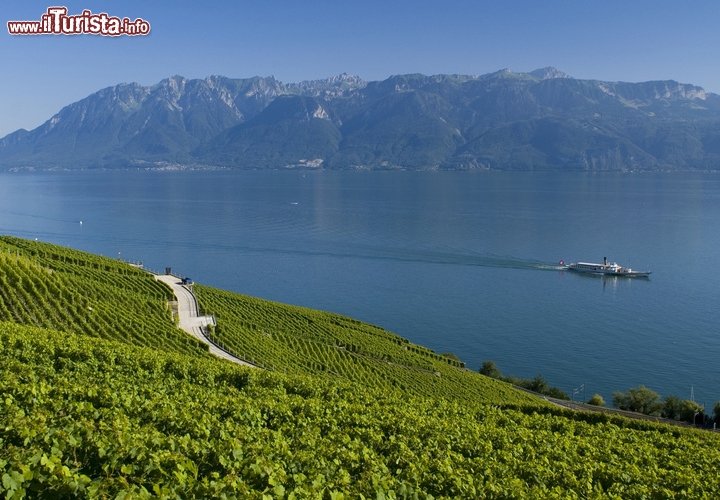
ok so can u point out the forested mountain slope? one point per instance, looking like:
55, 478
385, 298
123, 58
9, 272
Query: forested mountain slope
503, 120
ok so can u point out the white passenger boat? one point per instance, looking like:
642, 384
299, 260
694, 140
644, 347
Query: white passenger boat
605, 268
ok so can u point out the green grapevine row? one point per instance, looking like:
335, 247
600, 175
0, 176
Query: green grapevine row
54, 287
90, 418
299, 340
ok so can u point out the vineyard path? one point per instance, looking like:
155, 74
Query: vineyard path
191, 321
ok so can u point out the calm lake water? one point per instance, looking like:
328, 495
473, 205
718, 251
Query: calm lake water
457, 261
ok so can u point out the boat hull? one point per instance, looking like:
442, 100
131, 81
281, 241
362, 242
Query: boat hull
606, 269
629, 274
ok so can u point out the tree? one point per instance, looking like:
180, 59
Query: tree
671, 407
639, 399
688, 410
490, 369
556, 393
539, 385
716, 412
596, 400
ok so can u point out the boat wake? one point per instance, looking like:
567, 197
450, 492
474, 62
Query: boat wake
433, 256
474, 260
427, 255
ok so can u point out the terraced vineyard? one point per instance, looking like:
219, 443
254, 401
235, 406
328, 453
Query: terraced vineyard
91, 418
55, 287
110, 400
299, 340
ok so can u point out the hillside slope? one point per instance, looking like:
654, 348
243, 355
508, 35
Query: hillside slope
124, 403
79, 293
54, 287
94, 418
305, 341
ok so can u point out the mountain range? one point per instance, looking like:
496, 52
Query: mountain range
540, 120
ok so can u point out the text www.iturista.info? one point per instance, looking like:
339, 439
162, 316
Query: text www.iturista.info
57, 22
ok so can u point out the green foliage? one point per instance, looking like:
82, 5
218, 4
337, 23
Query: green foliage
639, 399
450, 355
301, 341
596, 400
102, 411
50, 286
671, 407
55, 287
688, 410
537, 384
490, 369
87, 417
716, 412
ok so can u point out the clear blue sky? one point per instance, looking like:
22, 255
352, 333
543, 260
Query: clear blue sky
294, 40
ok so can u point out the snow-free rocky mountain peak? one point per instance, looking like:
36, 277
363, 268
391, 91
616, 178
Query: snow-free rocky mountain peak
503, 120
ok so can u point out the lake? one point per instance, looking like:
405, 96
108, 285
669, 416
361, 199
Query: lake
464, 262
